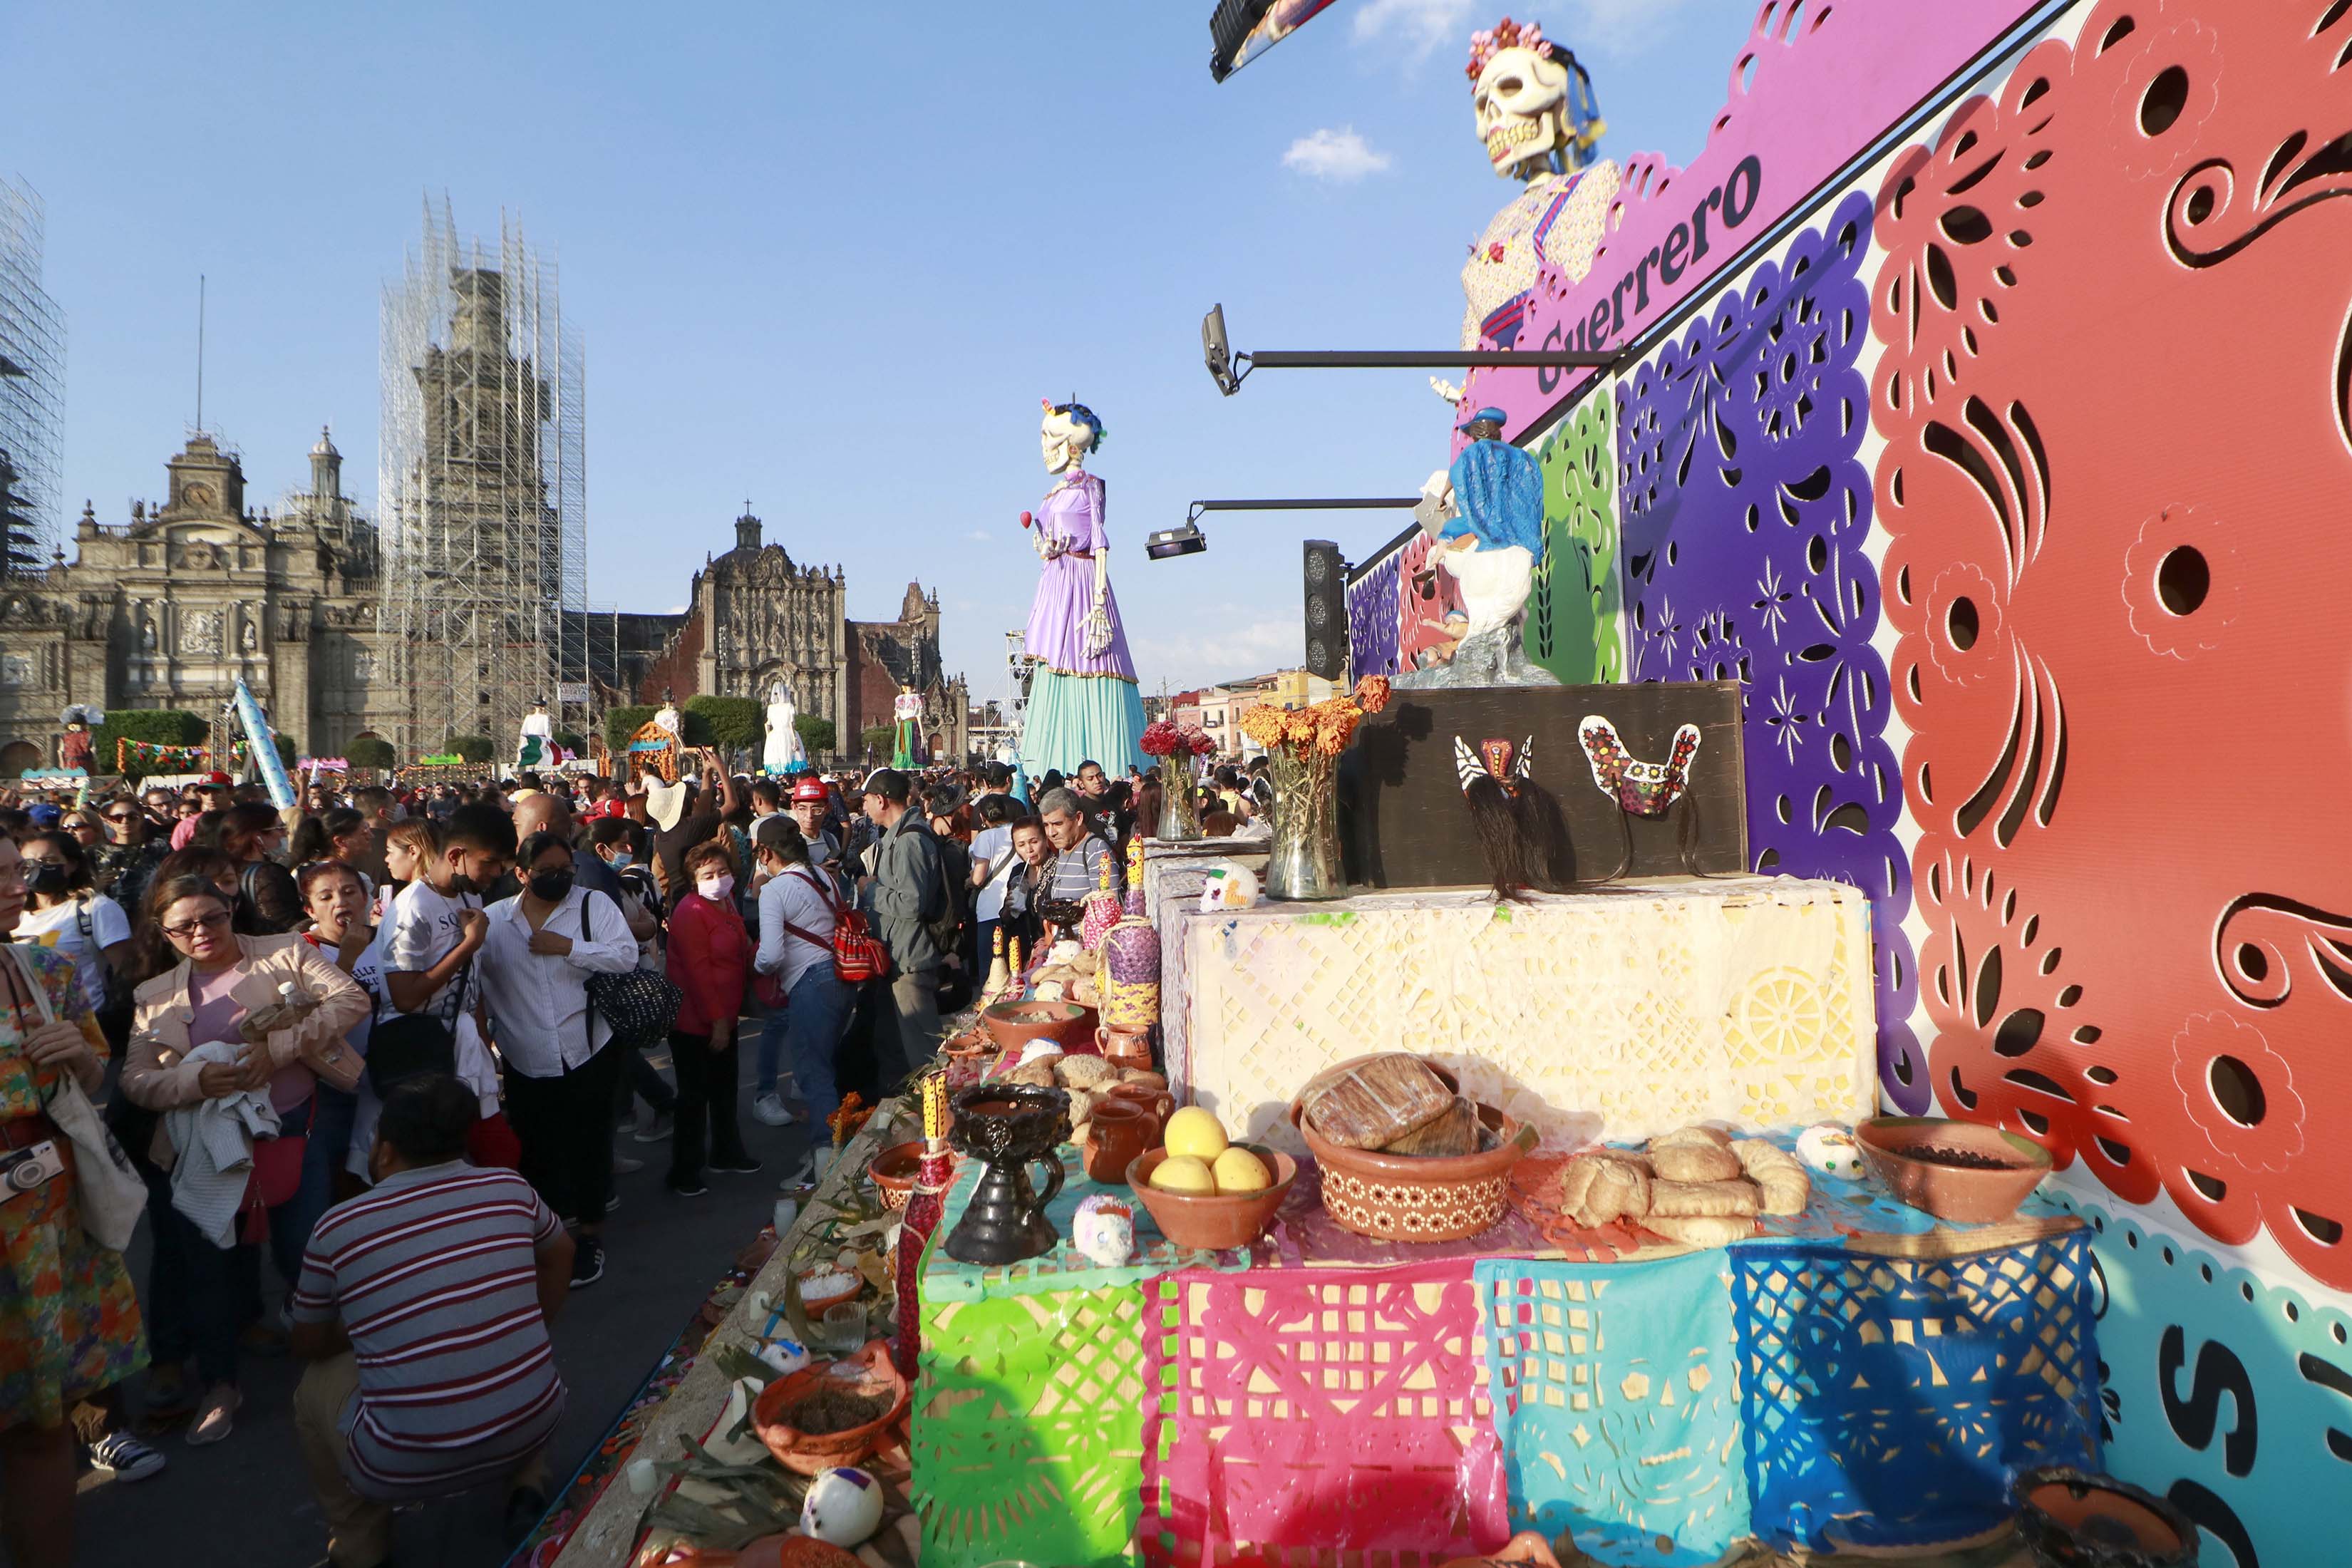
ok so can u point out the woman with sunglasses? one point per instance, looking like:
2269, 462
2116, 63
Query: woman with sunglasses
200, 1002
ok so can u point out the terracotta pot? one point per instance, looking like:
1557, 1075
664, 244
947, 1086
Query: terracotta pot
1128, 1047
868, 1373
1121, 1128
1013, 1024
1220, 1223
893, 1170
1416, 1197
2070, 1519
1967, 1194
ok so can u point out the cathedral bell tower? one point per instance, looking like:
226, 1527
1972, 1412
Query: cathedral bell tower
747, 531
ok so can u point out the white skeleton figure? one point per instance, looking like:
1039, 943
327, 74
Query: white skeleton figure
1521, 100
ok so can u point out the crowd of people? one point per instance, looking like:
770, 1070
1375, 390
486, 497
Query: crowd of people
400, 1041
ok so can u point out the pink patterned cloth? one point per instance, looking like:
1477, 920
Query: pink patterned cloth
1073, 515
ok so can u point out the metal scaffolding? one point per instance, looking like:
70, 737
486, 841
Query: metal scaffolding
482, 493
32, 387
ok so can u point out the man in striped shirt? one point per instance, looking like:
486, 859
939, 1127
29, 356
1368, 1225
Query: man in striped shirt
423, 1310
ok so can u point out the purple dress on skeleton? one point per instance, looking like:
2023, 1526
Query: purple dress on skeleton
1081, 707
1058, 617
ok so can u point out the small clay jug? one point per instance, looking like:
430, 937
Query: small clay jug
1153, 1098
1128, 1047
1121, 1128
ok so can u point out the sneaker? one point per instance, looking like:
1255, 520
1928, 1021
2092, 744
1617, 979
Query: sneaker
587, 1264
686, 1186
801, 1177
653, 1126
125, 1458
216, 1417
768, 1109
169, 1397
736, 1165
627, 1165
612, 1203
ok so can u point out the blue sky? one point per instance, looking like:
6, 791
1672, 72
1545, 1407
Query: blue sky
825, 257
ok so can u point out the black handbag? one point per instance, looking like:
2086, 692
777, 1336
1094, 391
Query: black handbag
639, 1004
409, 1044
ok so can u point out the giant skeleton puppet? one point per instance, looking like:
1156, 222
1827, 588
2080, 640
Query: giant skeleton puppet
1084, 703
1536, 116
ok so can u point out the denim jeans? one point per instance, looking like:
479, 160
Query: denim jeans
816, 1014
225, 1282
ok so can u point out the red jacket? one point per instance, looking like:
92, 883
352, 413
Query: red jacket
710, 960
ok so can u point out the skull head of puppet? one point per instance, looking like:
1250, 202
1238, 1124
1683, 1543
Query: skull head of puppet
1519, 85
1068, 434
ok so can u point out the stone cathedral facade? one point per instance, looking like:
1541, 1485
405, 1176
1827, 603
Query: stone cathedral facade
170, 606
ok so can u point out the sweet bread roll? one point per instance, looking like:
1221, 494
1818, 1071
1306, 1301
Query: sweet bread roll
1596, 1189
1086, 1072
1702, 1230
1779, 1176
1693, 1162
1691, 1134
1684, 1200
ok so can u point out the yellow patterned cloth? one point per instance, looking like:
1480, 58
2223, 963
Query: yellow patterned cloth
1618, 1015
68, 1319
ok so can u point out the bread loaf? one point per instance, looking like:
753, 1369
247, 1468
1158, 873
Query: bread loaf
1692, 1135
1373, 1101
1777, 1175
1702, 1230
1686, 1199
1086, 1072
1455, 1132
1596, 1189
1693, 1162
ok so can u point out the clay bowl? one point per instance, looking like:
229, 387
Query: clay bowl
1416, 1197
868, 1373
2084, 1520
893, 1170
815, 1301
1219, 1223
1013, 1024
1991, 1175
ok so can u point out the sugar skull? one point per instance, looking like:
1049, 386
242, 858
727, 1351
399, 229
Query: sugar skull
844, 1508
1533, 102
1104, 1229
1830, 1150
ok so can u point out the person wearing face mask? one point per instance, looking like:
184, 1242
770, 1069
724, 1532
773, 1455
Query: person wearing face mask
437, 927
613, 843
709, 962
563, 1074
87, 927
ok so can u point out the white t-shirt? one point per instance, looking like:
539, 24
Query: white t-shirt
60, 927
792, 897
989, 846
424, 930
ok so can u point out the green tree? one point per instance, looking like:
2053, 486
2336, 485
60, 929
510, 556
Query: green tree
731, 723
371, 752
817, 735
881, 740
572, 742
156, 727
473, 748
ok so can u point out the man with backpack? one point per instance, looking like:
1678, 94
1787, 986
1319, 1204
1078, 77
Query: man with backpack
916, 917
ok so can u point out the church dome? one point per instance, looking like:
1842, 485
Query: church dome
326, 446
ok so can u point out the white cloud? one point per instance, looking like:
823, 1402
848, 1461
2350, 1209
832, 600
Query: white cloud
1204, 656
1340, 156
1419, 25
979, 536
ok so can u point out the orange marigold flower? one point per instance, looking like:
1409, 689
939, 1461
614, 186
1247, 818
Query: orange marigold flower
1373, 693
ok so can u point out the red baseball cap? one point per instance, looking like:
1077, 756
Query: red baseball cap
811, 789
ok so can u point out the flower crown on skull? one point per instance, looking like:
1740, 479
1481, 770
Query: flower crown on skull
1504, 35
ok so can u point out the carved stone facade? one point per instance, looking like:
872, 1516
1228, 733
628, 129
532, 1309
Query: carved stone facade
170, 608
755, 619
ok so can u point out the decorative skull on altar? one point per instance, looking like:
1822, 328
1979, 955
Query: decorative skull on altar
1536, 114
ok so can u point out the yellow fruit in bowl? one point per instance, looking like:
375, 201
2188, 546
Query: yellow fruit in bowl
1195, 1132
1239, 1171
1182, 1173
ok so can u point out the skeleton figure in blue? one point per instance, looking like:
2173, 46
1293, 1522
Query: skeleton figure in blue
1486, 522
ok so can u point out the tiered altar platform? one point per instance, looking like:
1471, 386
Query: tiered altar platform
1618, 1012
